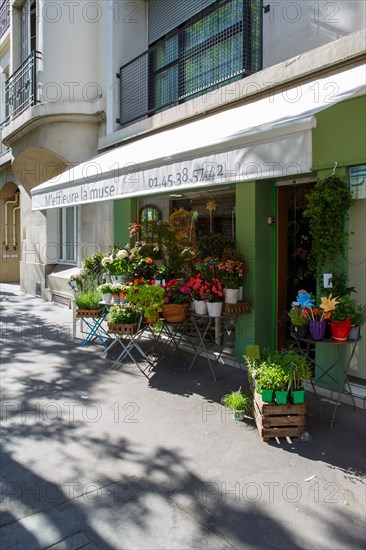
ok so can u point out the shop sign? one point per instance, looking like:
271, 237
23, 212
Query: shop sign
357, 176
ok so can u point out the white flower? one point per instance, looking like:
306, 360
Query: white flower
122, 253
107, 260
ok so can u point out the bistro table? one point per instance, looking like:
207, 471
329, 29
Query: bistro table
305, 347
93, 321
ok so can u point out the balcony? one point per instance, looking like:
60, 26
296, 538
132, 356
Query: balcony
3, 148
220, 45
4, 17
21, 88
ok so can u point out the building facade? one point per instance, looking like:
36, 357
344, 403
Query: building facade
166, 105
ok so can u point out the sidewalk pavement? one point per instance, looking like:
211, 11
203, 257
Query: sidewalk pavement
100, 459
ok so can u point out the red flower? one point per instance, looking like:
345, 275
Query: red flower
149, 261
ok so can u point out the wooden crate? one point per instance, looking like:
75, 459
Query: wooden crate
278, 420
88, 312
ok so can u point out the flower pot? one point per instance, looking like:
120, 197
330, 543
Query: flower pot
214, 309
281, 397
301, 332
231, 295
340, 329
317, 329
298, 396
107, 298
240, 297
267, 396
354, 333
200, 307
175, 313
238, 415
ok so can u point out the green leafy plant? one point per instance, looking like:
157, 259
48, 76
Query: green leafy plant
93, 267
359, 315
297, 318
274, 377
88, 299
345, 308
238, 401
125, 314
106, 288
327, 210
297, 364
148, 296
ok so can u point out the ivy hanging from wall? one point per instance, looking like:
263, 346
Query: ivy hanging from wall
327, 209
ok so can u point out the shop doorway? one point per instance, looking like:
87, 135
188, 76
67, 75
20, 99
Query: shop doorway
293, 246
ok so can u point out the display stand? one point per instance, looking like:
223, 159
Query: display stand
305, 346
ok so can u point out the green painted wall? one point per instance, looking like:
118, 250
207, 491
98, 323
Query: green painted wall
124, 213
340, 135
254, 205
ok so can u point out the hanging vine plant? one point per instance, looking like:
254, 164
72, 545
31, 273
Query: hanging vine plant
327, 209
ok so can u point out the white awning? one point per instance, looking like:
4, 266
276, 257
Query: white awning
268, 138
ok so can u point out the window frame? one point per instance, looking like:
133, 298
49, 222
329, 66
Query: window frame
62, 230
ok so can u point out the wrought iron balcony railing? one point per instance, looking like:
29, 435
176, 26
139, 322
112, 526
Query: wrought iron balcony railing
21, 87
3, 148
4, 17
220, 45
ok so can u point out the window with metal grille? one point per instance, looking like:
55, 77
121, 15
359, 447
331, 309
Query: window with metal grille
221, 45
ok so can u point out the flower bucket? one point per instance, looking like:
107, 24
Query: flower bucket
341, 329
107, 298
231, 295
200, 307
297, 396
175, 313
354, 333
317, 329
214, 309
267, 396
281, 397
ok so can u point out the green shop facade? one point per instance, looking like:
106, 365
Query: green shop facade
260, 205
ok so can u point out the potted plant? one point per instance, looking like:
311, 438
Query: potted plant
240, 402
106, 290
342, 316
176, 302
317, 315
195, 284
275, 378
299, 321
301, 371
358, 319
148, 296
124, 318
117, 290
88, 303
212, 293
118, 264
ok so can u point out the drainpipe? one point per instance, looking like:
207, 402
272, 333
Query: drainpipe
6, 243
14, 228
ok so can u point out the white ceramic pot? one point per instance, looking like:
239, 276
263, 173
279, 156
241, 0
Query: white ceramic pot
107, 298
231, 295
214, 309
200, 307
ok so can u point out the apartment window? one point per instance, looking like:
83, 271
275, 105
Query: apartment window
29, 28
67, 234
218, 46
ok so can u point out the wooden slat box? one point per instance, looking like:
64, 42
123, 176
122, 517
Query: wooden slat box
279, 420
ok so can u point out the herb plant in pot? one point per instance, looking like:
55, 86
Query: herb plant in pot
240, 402
88, 303
106, 291
301, 371
274, 378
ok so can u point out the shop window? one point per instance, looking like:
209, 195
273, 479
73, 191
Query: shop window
67, 234
150, 216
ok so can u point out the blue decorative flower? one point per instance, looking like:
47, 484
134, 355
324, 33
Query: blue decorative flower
305, 300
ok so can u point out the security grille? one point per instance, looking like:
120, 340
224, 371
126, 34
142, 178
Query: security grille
221, 45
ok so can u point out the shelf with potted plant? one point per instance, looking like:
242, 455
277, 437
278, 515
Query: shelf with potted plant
124, 319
